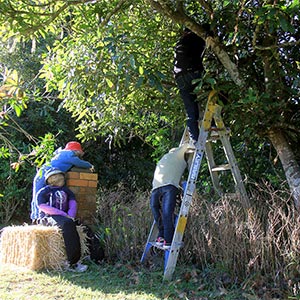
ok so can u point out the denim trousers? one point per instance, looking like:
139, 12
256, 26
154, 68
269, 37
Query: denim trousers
162, 203
186, 88
38, 183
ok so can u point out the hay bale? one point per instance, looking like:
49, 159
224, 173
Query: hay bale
83, 241
36, 247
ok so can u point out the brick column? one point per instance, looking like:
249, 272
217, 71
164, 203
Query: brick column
83, 184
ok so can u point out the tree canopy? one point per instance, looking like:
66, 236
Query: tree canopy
109, 63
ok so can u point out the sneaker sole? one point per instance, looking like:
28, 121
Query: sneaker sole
159, 244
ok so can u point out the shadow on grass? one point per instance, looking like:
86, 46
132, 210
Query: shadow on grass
121, 281
133, 277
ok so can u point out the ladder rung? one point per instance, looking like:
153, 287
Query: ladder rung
215, 133
176, 245
219, 168
231, 195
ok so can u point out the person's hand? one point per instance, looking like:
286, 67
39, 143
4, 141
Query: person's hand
92, 169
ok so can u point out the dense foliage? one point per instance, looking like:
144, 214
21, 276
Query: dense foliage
103, 73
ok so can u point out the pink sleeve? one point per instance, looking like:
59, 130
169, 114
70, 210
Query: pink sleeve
51, 210
72, 208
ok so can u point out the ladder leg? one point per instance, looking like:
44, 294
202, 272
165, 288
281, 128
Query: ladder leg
239, 185
211, 163
173, 252
171, 255
240, 188
147, 248
151, 239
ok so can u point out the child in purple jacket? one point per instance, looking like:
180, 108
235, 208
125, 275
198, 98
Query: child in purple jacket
58, 206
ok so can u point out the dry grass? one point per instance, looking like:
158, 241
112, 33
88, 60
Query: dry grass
127, 219
260, 243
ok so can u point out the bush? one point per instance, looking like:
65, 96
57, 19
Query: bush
15, 194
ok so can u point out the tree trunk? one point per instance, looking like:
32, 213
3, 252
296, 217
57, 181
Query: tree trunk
289, 163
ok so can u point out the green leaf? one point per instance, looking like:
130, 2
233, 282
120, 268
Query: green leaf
18, 110
286, 26
141, 70
139, 82
109, 82
295, 4
132, 61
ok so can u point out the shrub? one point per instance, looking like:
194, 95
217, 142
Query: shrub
15, 194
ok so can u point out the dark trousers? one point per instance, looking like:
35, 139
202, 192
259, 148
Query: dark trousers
186, 88
70, 235
163, 202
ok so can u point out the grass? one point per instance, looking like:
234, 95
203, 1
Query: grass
112, 282
242, 257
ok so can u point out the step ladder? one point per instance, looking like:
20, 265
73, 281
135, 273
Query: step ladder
207, 136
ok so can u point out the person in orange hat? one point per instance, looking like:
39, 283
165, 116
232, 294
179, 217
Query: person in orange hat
64, 160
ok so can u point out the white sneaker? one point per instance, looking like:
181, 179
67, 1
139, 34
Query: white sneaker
166, 246
159, 241
191, 147
79, 268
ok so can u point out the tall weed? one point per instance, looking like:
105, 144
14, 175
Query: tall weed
125, 219
262, 242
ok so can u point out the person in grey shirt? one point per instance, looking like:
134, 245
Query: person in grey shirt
165, 187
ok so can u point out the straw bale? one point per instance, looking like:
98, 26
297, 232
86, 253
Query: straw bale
83, 241
36, 247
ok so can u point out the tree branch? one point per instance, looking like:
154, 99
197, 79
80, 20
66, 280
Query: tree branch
288, 127
212, 42
47, 22
271, 47
52, 16
109, 15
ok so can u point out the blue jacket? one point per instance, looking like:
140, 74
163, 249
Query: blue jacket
66, 159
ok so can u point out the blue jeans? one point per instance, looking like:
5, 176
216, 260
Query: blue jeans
38, 183
162, 203
186, 89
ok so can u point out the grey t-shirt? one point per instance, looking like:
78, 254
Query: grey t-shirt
170, 168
